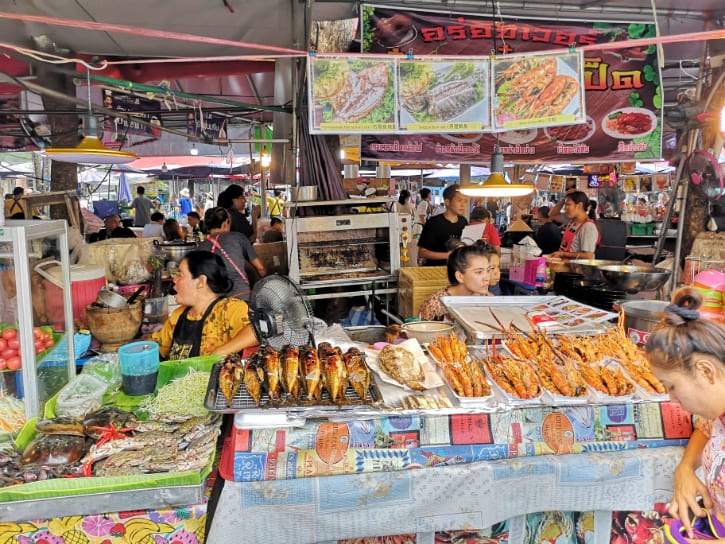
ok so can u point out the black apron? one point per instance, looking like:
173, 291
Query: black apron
186, 339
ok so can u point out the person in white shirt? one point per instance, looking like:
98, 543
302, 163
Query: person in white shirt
154, 228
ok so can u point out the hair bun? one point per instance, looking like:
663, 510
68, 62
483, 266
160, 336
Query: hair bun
685, 314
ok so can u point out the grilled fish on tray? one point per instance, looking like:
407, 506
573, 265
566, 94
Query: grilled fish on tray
295, 376
230, 376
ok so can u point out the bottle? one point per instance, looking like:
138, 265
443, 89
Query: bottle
540, 273
548, 282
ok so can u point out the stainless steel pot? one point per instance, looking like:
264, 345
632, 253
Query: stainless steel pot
175, 251
304, 194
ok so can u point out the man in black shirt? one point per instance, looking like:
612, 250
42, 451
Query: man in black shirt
114, 229
441, 233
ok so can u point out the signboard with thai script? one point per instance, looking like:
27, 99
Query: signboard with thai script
621, 88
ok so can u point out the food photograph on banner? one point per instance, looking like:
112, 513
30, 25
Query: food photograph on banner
538, 91
444, 95
352, 94
621, 88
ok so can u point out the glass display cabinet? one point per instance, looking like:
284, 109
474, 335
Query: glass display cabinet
36, 316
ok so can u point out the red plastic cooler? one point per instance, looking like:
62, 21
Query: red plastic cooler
86, 280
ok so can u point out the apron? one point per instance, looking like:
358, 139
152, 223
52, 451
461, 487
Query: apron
186, 339
569, 234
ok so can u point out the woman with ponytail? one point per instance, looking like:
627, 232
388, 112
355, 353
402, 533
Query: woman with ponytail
687, 354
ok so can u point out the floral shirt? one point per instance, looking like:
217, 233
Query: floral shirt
226, 320
432, 308
713, 460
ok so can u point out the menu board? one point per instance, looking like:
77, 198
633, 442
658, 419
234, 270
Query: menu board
352, 94
538, 90
446, 95
620, 88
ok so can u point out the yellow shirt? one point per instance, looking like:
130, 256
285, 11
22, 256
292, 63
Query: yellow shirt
13, 206
226, 320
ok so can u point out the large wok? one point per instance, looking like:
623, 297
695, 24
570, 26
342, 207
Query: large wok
175, 251
589, 268
634, 279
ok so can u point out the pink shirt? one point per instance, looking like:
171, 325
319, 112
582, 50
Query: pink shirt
713, 462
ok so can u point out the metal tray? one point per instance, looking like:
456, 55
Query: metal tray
216, 402
82, 504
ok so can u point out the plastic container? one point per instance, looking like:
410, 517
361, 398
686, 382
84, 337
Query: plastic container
82, 395
86, 281
139, 367
155, 310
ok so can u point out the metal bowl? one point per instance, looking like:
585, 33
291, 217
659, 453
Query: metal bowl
589, 268
426, 331
109, 299
634, 279
175, 251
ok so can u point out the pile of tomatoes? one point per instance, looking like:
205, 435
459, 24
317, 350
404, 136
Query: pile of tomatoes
10, 346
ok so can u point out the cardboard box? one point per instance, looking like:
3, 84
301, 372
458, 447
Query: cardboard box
274, 257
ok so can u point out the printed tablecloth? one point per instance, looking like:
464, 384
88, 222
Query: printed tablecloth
473, 495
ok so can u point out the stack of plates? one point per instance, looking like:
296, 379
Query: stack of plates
602, 297
593, 293
567, 283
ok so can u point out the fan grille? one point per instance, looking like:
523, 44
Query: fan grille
274, 298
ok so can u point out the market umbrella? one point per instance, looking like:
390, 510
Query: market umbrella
124, 190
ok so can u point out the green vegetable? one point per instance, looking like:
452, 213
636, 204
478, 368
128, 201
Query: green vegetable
462, 69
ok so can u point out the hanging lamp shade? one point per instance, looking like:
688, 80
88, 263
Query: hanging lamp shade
496, 185
90, 151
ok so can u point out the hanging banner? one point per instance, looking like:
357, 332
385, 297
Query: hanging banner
538, 91
211, 126
450, 95
352, 94
622, 89
115, 128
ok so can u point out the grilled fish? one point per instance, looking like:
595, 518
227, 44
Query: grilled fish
269, 358
253, 378
334, 372
230, 377
402, 366
358, 373
311, 372
290, 359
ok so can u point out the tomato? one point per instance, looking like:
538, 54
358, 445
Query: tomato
3, 364
39, 347
9, 334
3, 344
48, 343
44, 336
7, 353
37, 331
14, 363
14, 343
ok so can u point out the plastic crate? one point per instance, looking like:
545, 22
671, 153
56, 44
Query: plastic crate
641, 229
517, 272
417, 283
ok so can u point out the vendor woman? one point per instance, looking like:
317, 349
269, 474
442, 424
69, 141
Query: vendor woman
207, 322
469, 270
581, 236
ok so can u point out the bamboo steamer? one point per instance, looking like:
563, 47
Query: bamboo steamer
114, 327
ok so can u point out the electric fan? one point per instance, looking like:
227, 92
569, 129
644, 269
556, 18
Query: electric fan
706, 172
279, 313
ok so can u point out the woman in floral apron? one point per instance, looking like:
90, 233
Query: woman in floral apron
207, 322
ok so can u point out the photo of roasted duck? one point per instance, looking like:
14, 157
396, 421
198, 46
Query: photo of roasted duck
230, 377
402, 366
358, 373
